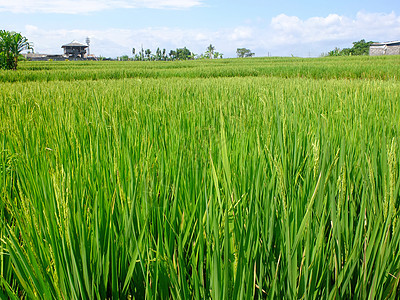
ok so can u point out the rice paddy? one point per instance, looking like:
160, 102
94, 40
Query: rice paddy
238, 178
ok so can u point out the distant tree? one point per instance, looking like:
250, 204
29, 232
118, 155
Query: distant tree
183, 53
172, 55
133, 51
359, 48
148, 54
11, 46
124, 57
218, 54
158, 54
244, 52
334, 52
141, 54
210, 51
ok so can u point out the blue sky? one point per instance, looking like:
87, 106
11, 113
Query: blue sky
279, 28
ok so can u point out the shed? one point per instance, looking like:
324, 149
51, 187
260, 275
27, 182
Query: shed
75, 49
388, 48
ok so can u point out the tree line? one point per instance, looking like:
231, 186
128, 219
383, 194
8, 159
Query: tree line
180, 54
177, 54
359, 48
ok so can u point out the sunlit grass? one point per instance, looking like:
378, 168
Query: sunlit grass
240, 187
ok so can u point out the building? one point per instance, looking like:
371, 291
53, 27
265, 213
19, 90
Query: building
388, 48
43, 57
75, 50
72, 51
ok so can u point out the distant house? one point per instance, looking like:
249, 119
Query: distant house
75, 50
35, 56
43, 57
389, 48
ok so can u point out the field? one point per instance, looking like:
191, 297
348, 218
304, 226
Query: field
235, 178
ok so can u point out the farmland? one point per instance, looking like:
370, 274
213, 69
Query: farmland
233, 178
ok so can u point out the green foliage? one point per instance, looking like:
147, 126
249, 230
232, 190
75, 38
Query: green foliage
161, 55
359, 48
124, 57
11, 45
356, 67
224, 183
210, 52
243, 52
3, 60
183, 54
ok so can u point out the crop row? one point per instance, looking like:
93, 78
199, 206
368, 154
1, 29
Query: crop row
221, 187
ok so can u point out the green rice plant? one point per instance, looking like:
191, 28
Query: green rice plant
279, 184
357, 67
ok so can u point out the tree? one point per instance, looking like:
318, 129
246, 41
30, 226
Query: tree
172, 54
11, 46
141, 54
158, 54
183, 53
359, 48
148, 54
210, 51
243, 52
334, 52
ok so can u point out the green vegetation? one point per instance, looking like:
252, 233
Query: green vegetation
244, 52
11, 46
262, 178
359, 48
362, 67
160, 55
173, 55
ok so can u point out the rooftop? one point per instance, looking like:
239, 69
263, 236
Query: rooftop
385, 43
74, 44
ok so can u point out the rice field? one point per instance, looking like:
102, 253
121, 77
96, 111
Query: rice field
266, 178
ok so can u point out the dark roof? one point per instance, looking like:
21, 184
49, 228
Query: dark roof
74, 44
385, 43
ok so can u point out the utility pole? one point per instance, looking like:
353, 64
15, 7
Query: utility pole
88, 43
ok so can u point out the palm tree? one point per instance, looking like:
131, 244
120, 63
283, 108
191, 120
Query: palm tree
148, 53
158, 54
11, 46
210, 51
141, 54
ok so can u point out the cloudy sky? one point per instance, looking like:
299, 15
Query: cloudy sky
278, 28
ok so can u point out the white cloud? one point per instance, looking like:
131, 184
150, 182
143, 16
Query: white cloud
88, 6
292, 30
241, 33
284, 35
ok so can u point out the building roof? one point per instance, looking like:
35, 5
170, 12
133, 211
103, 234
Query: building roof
74, 44
385, 43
